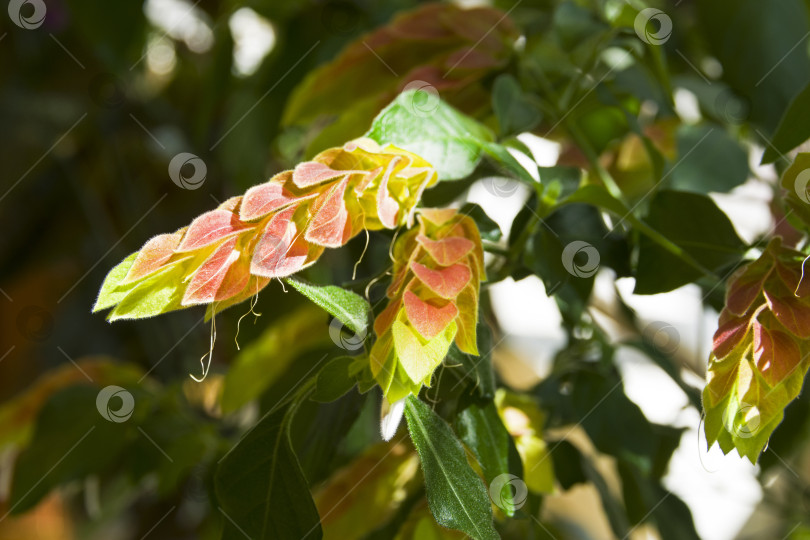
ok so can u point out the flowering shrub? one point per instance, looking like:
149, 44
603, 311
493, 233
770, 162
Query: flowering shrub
434, 172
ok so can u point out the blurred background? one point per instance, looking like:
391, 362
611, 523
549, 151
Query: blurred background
97, 99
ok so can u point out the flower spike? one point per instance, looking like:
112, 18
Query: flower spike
433, 301
276, 229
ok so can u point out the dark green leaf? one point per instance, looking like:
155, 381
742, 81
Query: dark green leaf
489, 229
546, 256
456, 496
695, 224
758, 51
320, 429
567, 464
71, 440
709, 159
574, 24
334, 380
597, 402
261, 488
501, 156
645, 500
467, 373
482, 430
793, 128
515, 112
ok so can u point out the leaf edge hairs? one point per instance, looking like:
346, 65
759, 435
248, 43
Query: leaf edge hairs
274, 230
433, 302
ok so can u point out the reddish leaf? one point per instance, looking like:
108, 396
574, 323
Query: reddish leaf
311, 173
471, 58
254, 285
153, 255
209, 228
775, 353
429, 320
746, 284
330, 225
387, 316
789, 310
281, 251
731, 331
446, 282
387, 207
207, 282
446, 251
268, 197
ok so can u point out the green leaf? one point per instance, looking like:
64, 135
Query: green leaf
334, 380
545, 254
646, 499
709, 159
502, 157
261, 488
614, 509
568, 468
694, 223
456, 496
513, 109
156, 295
482, 430
265, 360
446, 138
595, 401
571, 467
110, 294
321, 429
349, 308
758, 51
486, 226
793, 128
71, 441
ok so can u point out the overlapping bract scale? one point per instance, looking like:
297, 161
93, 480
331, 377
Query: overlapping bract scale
434, 48
277, 228
760, 351
433, 301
